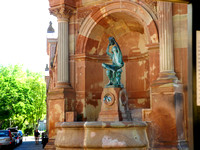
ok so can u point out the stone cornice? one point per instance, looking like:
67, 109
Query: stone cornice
62, 11
176, 1
97, 58
154, 46
54, 3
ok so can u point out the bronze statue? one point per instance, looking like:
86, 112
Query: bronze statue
114, 71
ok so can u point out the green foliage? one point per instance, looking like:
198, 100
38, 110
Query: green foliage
29, 130
22, 97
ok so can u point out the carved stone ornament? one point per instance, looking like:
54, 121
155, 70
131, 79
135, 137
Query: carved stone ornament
109, 99
61, 11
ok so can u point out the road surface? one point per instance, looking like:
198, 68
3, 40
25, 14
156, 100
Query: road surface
29, 144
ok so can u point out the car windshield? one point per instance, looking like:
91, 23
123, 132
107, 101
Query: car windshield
13, 130
4, 133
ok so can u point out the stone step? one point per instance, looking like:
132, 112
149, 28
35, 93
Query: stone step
50, 145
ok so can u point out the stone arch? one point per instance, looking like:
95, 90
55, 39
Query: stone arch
131, 8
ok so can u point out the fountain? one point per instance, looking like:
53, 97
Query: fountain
114, 128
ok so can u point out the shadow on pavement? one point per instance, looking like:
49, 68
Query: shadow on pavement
29, 145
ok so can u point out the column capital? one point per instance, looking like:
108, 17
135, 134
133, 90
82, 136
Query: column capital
62, 12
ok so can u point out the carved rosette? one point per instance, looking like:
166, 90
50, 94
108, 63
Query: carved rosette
62, 12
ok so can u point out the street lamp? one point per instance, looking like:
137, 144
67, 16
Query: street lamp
10, 121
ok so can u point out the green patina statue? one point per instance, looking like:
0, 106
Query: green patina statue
114, 71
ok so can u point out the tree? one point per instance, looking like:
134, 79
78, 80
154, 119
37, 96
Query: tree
22, 97
37, 95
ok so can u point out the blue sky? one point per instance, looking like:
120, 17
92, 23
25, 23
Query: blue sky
23, 33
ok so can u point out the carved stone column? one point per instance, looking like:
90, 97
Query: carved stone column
166, 41
63, 13
63, 52
60, 96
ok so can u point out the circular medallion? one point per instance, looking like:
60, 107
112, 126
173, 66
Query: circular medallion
109, 99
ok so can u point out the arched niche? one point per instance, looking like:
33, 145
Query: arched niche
127, 16
135, 31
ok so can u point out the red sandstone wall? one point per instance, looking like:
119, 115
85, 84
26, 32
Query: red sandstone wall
87, 77
141, 60
90, 77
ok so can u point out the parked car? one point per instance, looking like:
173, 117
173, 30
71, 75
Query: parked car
6, 139
17, 134
18, 138
20, 132
13, 130
21, 135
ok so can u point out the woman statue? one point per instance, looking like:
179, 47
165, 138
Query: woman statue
114, 71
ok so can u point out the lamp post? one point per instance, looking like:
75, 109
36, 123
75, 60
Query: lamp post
10, 121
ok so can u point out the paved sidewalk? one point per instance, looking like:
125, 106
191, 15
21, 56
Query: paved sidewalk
29, 144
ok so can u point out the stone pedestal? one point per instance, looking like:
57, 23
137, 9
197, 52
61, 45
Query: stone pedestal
56, 109
166, 116
114, 105
56, 104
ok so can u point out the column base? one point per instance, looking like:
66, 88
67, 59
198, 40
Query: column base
63, 85
166, 113
167, 77
167, 82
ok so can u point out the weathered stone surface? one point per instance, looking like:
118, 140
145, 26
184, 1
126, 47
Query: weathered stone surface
56, 109
100, 135
71, 116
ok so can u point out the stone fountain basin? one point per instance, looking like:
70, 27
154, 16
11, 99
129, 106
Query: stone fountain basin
101, 135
